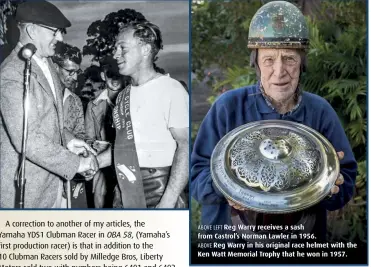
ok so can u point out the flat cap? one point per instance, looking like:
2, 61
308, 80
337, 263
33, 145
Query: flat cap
41, 12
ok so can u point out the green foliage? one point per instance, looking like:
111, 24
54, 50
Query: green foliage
237, 77
337, 67
336, 71
220, 32
195, 127
349, 223
196, 211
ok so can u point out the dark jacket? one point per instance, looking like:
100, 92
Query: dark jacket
244, 105
96, 124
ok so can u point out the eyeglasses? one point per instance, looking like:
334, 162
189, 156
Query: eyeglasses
55, 31
72, 72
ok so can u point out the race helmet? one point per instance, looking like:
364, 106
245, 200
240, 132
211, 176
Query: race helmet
278, 24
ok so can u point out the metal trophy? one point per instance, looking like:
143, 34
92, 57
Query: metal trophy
274, 167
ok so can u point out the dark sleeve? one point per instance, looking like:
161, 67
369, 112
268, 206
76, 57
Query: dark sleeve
334, 132
211, 130
89, 123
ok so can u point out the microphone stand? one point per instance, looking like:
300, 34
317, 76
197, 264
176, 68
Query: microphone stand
21, 179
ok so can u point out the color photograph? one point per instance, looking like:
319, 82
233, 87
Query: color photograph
278, 161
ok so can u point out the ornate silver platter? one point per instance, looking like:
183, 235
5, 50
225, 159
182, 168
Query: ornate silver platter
274, 166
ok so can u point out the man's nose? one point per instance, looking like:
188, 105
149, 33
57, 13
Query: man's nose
59, 36
116, 54
279, 68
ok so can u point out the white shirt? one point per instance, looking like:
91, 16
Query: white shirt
104, 96
67, 93
44, 66
155, 107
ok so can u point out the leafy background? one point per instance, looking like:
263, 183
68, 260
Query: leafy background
337, 72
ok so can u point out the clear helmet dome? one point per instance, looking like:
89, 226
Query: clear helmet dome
278, 24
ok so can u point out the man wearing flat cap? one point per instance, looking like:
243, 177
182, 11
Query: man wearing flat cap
48, 161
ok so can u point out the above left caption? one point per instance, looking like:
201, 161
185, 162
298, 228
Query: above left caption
83, 238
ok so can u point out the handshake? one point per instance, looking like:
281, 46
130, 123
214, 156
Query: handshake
90, 159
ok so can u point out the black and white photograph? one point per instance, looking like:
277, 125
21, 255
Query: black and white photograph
94, 104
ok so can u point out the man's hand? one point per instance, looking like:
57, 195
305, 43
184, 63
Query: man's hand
100, 146
340, 180
236, 206
88, 166
105, 157
79, 147
179, 171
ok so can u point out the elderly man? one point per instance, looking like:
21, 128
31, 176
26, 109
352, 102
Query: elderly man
151, 120
67, 60
48, 161
278, 34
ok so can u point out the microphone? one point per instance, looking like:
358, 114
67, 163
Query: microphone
28, 51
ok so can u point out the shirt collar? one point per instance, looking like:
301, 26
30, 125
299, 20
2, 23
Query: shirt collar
67, 93
264, 106
41, 61
103, 96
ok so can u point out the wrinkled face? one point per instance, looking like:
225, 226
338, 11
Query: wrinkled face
128, 53
45, 40
280, 72
68, 73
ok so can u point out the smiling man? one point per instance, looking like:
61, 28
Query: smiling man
151, 121
278, 36
48, 161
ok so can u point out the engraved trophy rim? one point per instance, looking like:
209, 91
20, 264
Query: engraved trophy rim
288, 201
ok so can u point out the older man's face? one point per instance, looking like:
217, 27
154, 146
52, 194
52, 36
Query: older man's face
280, 72
46, 40
68, 73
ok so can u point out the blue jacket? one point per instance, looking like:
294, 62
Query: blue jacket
244, 105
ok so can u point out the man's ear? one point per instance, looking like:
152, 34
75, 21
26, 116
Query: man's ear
103, 76
146, 49
31, 31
